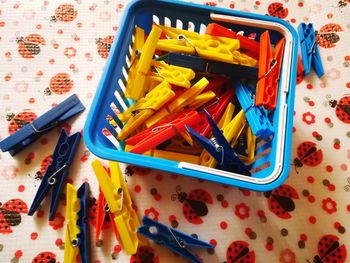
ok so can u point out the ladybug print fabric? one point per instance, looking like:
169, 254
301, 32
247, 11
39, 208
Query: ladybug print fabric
52, 49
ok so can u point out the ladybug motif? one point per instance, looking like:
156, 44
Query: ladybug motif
343, 3
130, 170
104, 45
327, 36
342, 108
61, 83
277, 10
44, 164
330, 250
308, 154
64, 13
10, 214
280, 200
144, 254
29, 46
239, 252
211, 3
20, 120
194, 204
45, 257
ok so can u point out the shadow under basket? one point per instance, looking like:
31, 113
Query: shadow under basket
272, 160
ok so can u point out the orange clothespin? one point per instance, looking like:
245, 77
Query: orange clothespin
269, 72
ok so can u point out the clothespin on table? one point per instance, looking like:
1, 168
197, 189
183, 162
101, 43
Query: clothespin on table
162, 131
57, 172
41, 125
173, 239
309, 50
220, 149
78, 231
119, 203
269, 72
255, 115
214, 67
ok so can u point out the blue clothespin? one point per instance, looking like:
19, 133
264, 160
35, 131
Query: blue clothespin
56, 173
212, 67
309, 49
220, 149
78, 231
46, 122
255, 115
173, 239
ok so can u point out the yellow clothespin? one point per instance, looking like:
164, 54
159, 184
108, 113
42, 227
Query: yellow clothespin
180, 102
139, 39
120, 204
144, 108
201, 99
77, 238
243, 59
175, 75
206, 46
251, 143
136, 88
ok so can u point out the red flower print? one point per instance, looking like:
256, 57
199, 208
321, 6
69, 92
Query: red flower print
57, 222
152, 213
309, 118
242, 211
287, 256
329, 205
9, 172
70, 52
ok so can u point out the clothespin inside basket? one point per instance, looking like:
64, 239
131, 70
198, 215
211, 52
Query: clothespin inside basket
173, 239
184, 99
77, 232
309, 50
41, 125
162, 131
144, 108
214, 67
220, 149
57, 172
255, 115
119, 203
269, 72
219, 31
245, 145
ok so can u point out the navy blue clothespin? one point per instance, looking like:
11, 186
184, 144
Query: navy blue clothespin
255, 115
46, 122
78, 231
219, 148
309, 50
56, 173
213, 67
173, 239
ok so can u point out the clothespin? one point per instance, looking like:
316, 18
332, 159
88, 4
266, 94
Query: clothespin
119, 204
173, 239
139, 40
57, 172
41, 125
162, 131
309, 50
138, 113
199, 64
249, 46
220, 149
219, 31
179, 76
206, 46
255, 115
136, 89
177, 144
269, 72
78, 231
245, 146
202, 99
184, 99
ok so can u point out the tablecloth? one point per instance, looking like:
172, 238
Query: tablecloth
50, 50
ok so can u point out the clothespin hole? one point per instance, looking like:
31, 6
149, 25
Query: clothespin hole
153, 230
213, 43
138, 53
75, 242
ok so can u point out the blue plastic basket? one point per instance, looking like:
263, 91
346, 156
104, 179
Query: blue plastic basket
272, 161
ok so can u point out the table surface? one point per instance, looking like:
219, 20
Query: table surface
72, 48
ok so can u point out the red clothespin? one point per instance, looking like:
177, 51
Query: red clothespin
269, 71
215, 84
249, 46
219, 31
162, 131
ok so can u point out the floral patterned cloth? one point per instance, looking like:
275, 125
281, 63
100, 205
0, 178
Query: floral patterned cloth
52, 49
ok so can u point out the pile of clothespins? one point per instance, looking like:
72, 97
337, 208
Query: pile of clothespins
188, 90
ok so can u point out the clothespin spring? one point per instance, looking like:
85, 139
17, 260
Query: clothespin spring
155, 129
120, 192
182, 37
45, 129
137, 111
75, 241
52, 179
181, 243
218, 148
273, 64
137, 56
